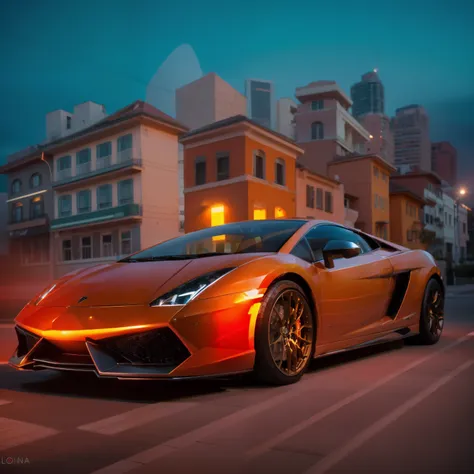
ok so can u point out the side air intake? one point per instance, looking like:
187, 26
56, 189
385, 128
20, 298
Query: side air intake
401, 286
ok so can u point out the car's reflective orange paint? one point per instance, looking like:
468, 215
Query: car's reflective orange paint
218, 326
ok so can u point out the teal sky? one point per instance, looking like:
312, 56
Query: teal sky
54, 54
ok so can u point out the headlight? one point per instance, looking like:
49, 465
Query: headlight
188, 291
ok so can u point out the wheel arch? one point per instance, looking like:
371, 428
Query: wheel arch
301, 281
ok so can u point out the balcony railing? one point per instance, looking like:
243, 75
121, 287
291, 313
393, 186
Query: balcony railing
103, 162
83, 168
64, 174
105, 166
124, 156
97, 217
23, 220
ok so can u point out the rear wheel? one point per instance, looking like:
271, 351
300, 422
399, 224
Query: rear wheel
432, 313
284, 334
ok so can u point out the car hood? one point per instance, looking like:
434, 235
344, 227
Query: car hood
120, 284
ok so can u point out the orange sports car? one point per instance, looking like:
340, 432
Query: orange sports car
262, 296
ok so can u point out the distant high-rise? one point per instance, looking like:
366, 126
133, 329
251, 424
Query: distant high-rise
444, 161
368, 95
286, 109
411, 134
260, 107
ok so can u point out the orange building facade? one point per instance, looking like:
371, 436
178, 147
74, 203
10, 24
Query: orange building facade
406, 210
237, 170
318, 197
366, 178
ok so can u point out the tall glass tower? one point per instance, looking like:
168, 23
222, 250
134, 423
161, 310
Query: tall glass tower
368, 95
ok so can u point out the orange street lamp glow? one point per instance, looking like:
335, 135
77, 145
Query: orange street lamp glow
462, 191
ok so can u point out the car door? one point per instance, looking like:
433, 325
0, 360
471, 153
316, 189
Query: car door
353, 296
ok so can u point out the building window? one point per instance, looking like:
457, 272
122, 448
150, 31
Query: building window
83, 161
280, 172
317, 105
328, 201
16, 186
217, 215
376, 172
17, 212
319, 198
125, 142
83, 199
200, 170
259, 164
103, 155
64, 165
376, 201
409, 236
86, 248
463, 227
126, 242
67, 250
106, 247
259, 214
309, 196
104, 196
68, 122
125, 192
65, 205
317, 131
222, 167
36, 207
279, 213
35, 180
384, 177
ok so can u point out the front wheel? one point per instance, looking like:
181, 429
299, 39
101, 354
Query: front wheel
432, 313
284, 334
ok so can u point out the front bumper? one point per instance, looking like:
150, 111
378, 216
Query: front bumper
208, 338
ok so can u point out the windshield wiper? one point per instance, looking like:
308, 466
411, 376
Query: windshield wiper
163, 258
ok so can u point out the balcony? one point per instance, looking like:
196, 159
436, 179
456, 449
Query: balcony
431, 197
104, 165
125, 211
29, 226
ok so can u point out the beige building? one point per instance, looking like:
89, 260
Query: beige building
115, 187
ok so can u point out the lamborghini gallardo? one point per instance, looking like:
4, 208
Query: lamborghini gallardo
259, 296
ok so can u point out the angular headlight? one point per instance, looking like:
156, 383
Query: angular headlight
189, 290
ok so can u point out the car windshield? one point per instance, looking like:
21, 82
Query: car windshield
243, 237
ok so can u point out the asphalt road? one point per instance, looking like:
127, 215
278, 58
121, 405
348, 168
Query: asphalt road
396, 408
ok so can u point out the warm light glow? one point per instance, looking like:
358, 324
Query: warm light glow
253, 313
259, 214
463, 191
37, 199
279, 212
371, 136
81, 334
217, 215
250, 295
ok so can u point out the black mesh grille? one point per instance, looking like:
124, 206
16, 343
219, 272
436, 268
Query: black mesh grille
26, 341
158, 347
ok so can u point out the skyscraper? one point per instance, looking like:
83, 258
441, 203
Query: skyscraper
260, 106
368, 95
444, 161
411, 133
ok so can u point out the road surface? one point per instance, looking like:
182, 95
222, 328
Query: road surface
396, 408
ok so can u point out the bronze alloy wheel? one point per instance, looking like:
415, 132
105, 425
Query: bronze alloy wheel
285, 334
432, 313
290, 332
435, 310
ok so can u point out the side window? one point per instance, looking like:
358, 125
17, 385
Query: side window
320, 235
303, 251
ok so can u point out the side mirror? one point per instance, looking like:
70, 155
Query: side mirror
339, 249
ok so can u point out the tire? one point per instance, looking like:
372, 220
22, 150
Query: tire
283, 363
432, 314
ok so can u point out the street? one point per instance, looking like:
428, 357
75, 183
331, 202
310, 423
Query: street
390, 408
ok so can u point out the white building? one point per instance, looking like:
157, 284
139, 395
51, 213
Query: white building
116, 187
450, 225
285, 118
462, 232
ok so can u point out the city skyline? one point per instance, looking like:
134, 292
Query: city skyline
39, 81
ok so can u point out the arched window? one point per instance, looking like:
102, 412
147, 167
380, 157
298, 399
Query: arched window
16, 186
280, 172
17, 212
259, 164
317, 131
35, 180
